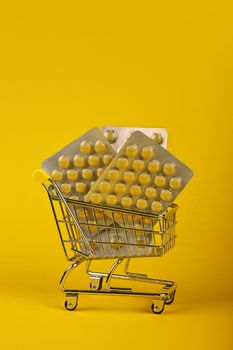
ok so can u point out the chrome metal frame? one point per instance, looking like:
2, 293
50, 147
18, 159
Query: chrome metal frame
87, 240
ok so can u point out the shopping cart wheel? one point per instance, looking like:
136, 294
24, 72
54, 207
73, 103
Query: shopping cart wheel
158, 306
71, 303
171, 298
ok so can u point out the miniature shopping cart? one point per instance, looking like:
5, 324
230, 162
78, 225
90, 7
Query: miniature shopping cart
89, 232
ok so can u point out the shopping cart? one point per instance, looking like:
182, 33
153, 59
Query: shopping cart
89, 232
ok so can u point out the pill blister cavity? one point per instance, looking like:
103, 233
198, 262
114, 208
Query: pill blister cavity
138, 165
156, 206
80, 187
96, 198
135, 190
85, 147
110, 135
63, 162
144, 179
104, 186
159, 181
65, 188
75, 198
126, 201
147, 152
169, 168
56, 175
141, 204
129, 176
122, 163
120, 188
100, 147
131, 151
113, 174
150, 192
79, 161
175, 183
107, 158
72, 175
87, 174
166, 195
93, 161
111, 199
154, 166
157, 137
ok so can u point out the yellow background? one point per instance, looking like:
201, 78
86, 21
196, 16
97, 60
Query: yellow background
66, 67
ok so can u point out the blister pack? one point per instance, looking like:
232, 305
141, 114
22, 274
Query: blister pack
143, 177
117, 135
77, 166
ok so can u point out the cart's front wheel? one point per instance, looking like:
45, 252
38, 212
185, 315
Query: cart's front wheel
171, 298
158, 306
71, 303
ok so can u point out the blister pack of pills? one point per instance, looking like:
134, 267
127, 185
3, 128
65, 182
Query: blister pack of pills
143, 176
77, 166
117, 135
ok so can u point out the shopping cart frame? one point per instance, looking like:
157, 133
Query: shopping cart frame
100, 282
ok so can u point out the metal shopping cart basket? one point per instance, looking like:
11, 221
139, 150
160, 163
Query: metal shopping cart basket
89, 232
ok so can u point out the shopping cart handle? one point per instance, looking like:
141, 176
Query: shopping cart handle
40, 176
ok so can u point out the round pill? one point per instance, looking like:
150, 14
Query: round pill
135, 190
111, 199
117, 216
85, 147
99, 172
169, 168
80, 213
104, 186
79, 161
129, 176
138, 164
72, 174
63, 162
80, 187
147, 152
122, 163
144, 179
100, 147
93, 161
166, 195
175, 183
92, 228
107, 158
120, 188
151, 192
96, 198
147, 221
65, 188
113, 174
153, 166
159, 181
131, 151
157, 137
56, 175
157, 206
141, 203
87, 174
111, 135
126, 201
75, 198
98, 214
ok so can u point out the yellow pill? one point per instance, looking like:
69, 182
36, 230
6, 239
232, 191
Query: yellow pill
92, 228
100, 147
96, 198
79, 161
144, 179
157, 137
111, 135
87, 174
141, 203
147, 152
169, 168
107, 158
81, 213
75, 198
122, 163
175, 183
120, 188
147, 221
98, 214
80, 187
85, 147
140, 238
99, 172
111, 199
117, 216
156, 206
131, 151
151, 192
138, 165
93, 161
72, 174
159, 181
154, 166
56, 175
129, 176
113, 174
166, 195
135, 190
65, 188
104, 186
126, 201
63, 162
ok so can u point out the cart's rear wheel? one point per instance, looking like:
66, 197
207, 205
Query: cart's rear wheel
71, 303
157, 307
171, 298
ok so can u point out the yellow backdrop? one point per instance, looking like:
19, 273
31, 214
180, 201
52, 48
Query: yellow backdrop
66, 67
